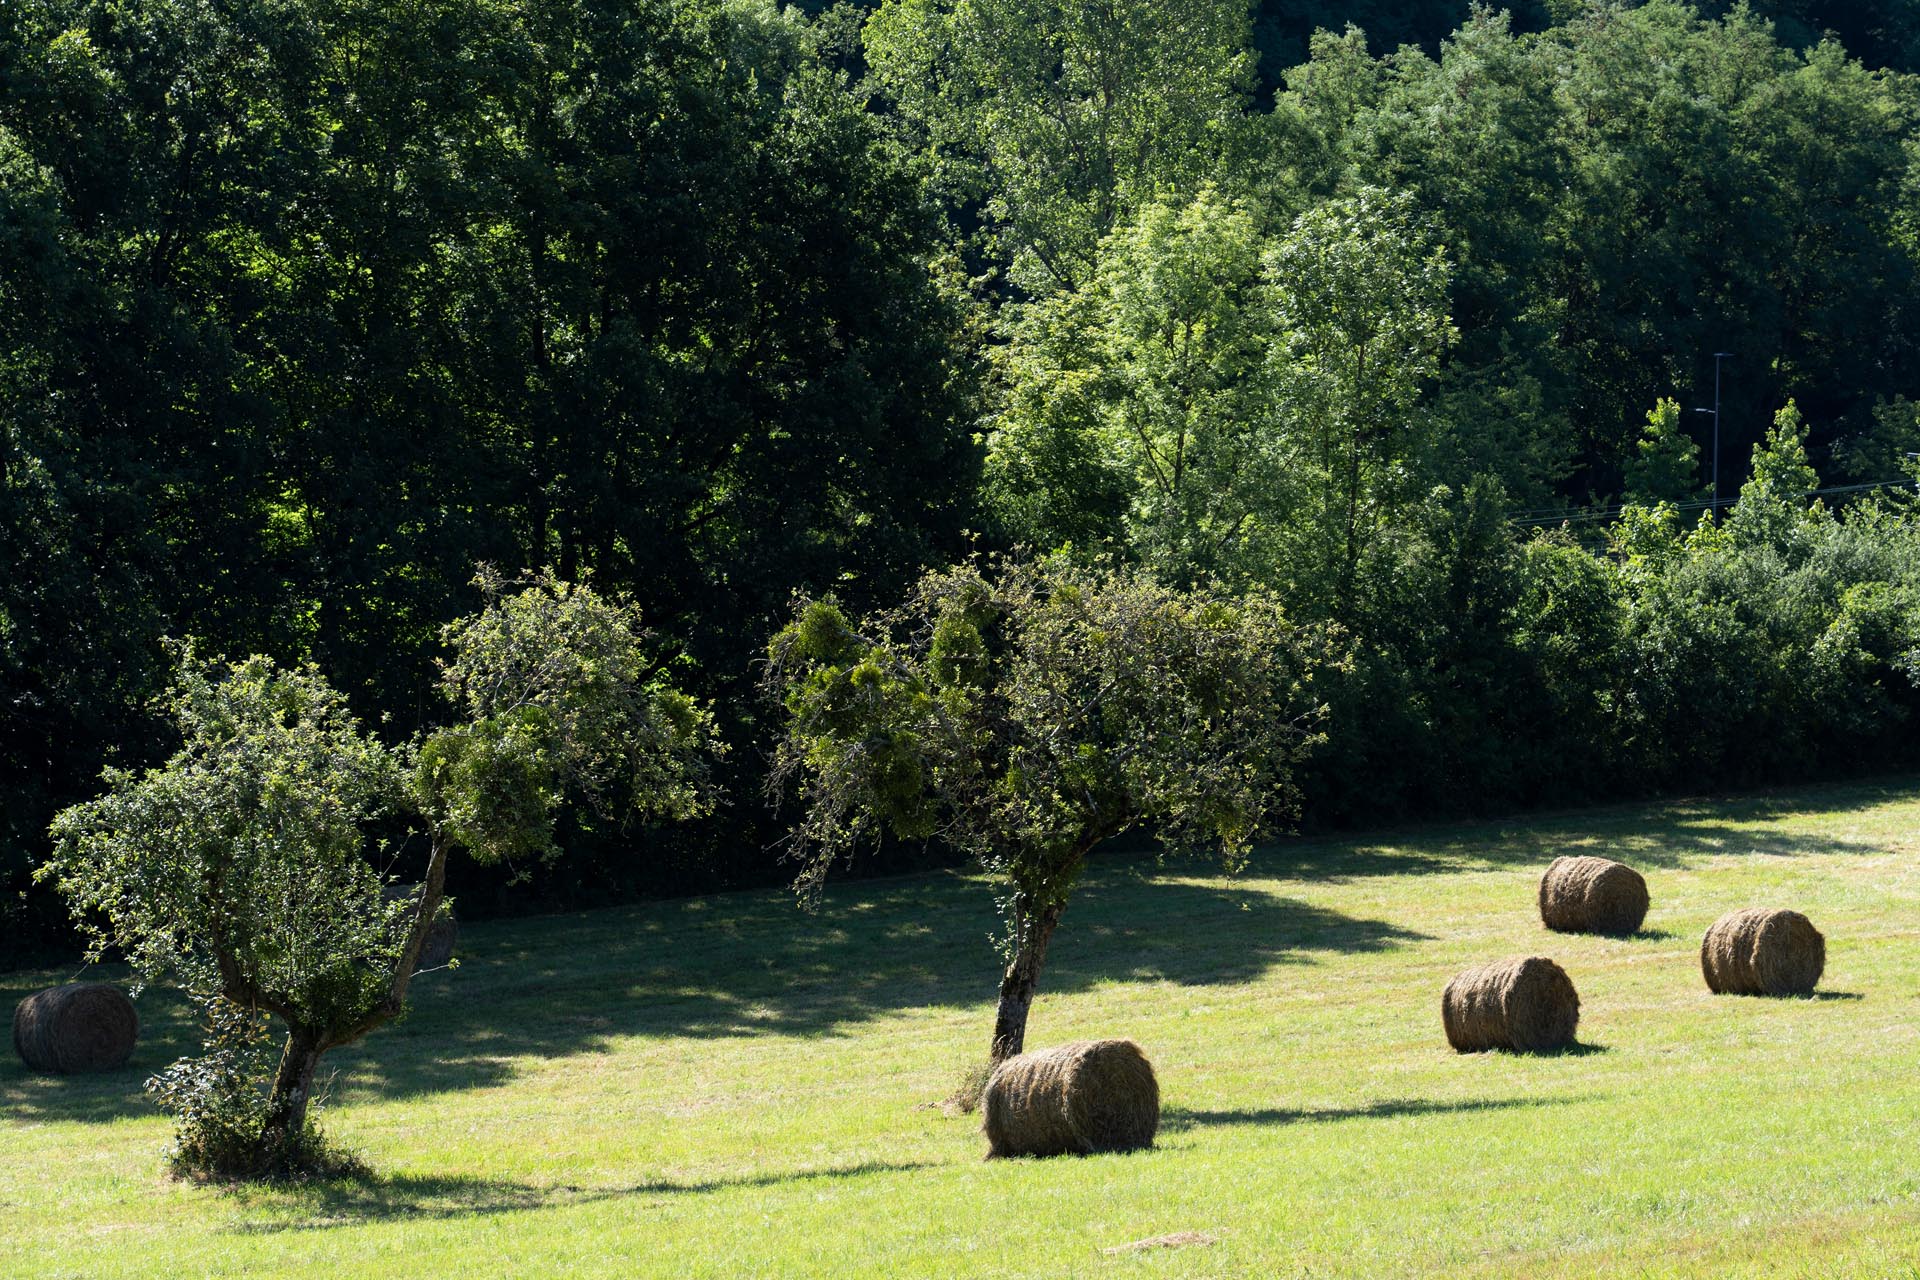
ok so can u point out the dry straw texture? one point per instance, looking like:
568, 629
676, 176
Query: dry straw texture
1757, 952
1095, 1095
84, 1026
1528, 1005
1592, 895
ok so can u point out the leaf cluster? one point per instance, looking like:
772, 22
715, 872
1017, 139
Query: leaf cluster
1025, 710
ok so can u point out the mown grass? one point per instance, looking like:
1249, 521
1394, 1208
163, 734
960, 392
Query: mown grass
730, 1087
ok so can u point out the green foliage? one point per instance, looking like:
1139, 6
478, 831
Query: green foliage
1885, 450
1061, 119
220, 1111
1777, 644
1221, 405
1137, 408
1026, 711
491, 785
245, 869
558, 696
1666, 462
1772, 508
1622, 196
239, 864
306, 309
1361, 296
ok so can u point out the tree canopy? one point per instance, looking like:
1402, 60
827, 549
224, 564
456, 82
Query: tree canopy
249, 868
306, 309
1025, 712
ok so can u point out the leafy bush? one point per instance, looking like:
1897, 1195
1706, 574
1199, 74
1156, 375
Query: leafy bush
220, 1110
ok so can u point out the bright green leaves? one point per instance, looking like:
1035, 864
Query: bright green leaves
1137, 407
1666, 463
245, 854
491, 786
560, 698
1025, 711
246, 867
1221, 403
856, 715
1063, 118
1776, 506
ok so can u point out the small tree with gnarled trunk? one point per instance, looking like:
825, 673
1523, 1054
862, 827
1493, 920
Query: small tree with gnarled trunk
1026, 711
245, 870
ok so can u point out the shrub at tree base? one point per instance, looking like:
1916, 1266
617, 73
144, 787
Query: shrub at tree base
1757, 952
221, 1113
1093, 1095
1526, 1005
84, 1026
1592, 895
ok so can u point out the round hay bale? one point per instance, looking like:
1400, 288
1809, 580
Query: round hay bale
1757, 952
1527, 1005
441, 937
80, 1027
1094, 1095
1592, 895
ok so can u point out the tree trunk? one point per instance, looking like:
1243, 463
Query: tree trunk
293, 1084
1032, 931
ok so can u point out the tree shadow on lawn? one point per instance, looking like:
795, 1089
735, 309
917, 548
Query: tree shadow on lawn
166, 1032
1181, 1119
1670, 834
345, 1202
754, 964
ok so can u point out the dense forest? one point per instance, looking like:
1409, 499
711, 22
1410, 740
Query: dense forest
1403, 313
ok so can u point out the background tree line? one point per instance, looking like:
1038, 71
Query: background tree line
306, 308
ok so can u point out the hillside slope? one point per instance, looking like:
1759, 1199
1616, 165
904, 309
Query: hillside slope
730, 1087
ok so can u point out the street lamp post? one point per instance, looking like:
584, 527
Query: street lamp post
1718, 356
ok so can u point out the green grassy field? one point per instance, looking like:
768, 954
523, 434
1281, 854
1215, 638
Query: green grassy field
729, 1087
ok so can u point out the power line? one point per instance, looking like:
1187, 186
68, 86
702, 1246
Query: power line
1539, 517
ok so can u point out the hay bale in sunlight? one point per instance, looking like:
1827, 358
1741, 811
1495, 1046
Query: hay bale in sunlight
1527, 1005
1757, 952
1094, 1095
1592, 895
83, 1026
440, 938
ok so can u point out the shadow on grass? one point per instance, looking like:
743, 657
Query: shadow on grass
346, 1202
1180, 1119
1575, 1050
1661, 835
166, 1033
754, 964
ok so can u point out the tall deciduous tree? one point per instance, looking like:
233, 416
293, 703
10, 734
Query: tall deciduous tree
1224, 405
245, 869
1666, 463
1139, 405
1360, 298
1025, 712
1061, 117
